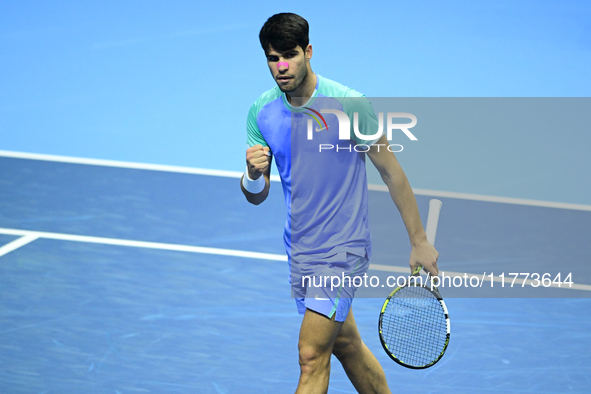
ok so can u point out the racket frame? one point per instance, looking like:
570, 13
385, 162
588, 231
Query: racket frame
431, 231
437, 295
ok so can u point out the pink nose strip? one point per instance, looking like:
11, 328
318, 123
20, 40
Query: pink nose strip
286, 64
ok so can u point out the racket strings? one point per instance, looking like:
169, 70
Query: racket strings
414, 326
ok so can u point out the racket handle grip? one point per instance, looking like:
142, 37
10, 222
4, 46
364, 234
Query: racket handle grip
433, 220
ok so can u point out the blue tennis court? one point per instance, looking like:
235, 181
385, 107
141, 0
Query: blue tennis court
125, 280
119, 278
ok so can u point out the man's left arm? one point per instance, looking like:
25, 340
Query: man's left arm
423, 253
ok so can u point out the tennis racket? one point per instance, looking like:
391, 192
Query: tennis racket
414, 322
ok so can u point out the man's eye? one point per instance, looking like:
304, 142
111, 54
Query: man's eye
272, 58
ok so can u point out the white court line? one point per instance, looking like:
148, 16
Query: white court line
236, 174
143, 244
125, 164
17, 243
479, 197
507, 280
32, 235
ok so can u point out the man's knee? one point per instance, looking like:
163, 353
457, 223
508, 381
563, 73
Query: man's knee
312, 357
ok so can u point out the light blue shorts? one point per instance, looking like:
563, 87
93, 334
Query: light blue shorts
328, 287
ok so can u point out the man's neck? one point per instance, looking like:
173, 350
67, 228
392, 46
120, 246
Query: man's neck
300, 96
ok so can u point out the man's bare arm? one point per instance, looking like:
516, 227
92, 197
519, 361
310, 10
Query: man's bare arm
258, 163
423, 252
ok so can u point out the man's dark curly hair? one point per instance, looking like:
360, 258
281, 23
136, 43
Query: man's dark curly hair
283, 32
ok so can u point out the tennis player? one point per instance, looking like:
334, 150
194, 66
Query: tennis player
326, 232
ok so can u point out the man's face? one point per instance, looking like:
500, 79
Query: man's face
289, 77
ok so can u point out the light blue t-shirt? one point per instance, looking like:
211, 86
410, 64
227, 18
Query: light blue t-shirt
325, 190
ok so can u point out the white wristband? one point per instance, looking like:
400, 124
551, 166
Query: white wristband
254, 187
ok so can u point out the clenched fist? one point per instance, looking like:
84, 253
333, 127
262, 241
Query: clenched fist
257, 160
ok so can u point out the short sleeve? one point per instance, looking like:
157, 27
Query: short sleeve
253, 133
367, 121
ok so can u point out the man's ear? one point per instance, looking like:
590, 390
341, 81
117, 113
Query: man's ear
308, 52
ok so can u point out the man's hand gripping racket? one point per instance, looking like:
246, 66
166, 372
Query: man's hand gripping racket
414, 323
